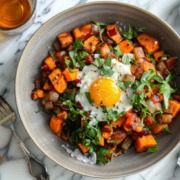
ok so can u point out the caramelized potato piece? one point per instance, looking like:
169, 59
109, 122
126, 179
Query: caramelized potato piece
37, 94
70, 75
65, 39
158, 54
149, 43
146, 66
56, 125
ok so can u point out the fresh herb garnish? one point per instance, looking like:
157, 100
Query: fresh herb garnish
128, 34
166, 130
116, 50
165, 88
125, 84
77, 45
151, 58
98, 62
101, 155
111, 114
101, 26
126, 59
152, 149
106, 69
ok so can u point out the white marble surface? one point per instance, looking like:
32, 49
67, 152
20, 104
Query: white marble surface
12, 163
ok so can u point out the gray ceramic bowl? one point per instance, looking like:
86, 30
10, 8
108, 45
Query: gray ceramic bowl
36, 123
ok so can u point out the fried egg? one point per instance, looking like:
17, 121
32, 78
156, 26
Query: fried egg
104, 91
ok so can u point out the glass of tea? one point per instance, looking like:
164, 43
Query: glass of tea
16, 15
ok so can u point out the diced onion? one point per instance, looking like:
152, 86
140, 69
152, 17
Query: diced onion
53, 96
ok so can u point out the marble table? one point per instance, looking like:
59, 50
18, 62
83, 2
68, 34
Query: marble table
12, 163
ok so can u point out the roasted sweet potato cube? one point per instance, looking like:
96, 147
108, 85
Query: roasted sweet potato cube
175, 105
47, 86
37, 94
146, 66
103, 49
90, 44
50, 62
158, 128
55, 74
158, 54
65, 39
144, 142
113, 33
70, 75
83, 148
125, 46
101, 141
149, 43
60, 85
85, 31
56, 125
119, 122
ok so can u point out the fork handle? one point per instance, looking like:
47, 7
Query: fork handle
33, 162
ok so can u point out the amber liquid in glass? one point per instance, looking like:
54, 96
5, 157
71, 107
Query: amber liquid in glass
14, 13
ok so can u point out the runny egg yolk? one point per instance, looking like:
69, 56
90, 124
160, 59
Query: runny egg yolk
105, 92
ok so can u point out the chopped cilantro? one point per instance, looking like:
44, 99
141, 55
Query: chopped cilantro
101, 155
106, 69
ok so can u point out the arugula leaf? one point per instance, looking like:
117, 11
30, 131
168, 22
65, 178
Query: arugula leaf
126, 59
106, 69
129, 34
101, 155
158, 78
88, 97
68, 63
100, 23
116, 50
166, 130
72, 55
77, 45
111, 114
138, 30
152, 149
98, 62
101, 26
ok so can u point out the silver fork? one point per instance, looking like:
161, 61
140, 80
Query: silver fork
36, 168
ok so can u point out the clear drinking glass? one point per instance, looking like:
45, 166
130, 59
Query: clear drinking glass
16, 15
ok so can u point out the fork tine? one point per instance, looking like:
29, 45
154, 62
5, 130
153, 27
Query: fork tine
7, 115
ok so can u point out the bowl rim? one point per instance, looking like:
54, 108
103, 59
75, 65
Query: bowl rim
38, 31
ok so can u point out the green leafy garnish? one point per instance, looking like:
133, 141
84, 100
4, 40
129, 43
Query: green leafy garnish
126, 59
101, 26
125, 84
77, 45
98, 62
111, 114
128, 34
116, 50
101, 155
166, 130
68, 64
151, 58
152, 149
106, 69
72, 55
88, 96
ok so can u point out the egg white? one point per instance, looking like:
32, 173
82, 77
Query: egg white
88, 75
